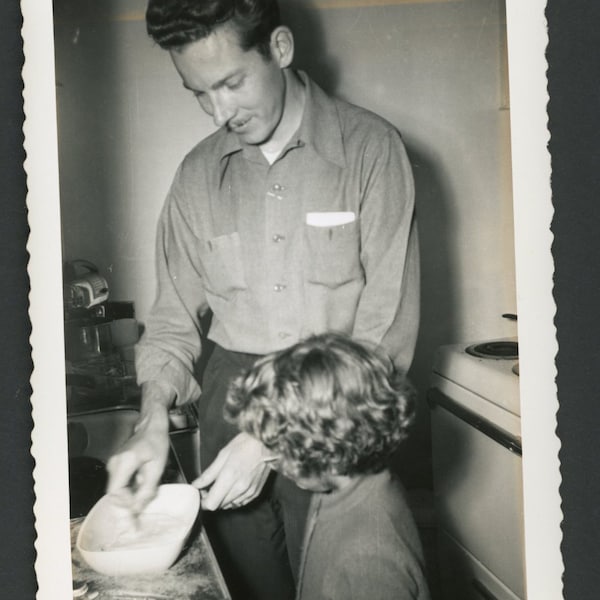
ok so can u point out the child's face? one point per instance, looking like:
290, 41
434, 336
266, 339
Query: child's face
315, 484
324, 483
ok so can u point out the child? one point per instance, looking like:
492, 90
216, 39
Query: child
331, 412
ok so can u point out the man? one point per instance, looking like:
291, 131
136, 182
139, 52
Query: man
295, 217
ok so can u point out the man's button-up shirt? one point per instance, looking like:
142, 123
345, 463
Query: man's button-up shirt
322, 239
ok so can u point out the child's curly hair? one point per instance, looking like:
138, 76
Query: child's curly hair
326, 406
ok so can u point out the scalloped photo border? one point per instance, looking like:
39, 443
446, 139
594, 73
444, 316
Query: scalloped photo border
527, 40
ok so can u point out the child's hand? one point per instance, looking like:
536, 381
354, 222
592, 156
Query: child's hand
236, 476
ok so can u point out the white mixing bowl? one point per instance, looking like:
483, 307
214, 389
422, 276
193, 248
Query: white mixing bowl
113, 542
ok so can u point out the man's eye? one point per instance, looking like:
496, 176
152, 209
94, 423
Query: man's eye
235, 85
198, 94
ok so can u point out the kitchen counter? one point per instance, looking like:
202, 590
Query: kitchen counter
194, 576
99, 423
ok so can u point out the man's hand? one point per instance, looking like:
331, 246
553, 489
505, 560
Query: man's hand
236, 476
135, 471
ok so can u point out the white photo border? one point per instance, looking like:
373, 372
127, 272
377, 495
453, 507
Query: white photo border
527, 40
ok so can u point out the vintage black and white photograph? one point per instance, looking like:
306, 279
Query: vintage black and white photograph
295, 270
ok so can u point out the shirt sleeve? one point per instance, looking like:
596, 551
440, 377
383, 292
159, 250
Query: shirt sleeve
388, 310
171, 342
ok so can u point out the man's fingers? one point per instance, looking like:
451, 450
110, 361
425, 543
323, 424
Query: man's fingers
247, 490
238, 471
240, 492
227, 487
253, 491
146, 485
210, 474
122, 497
213, 500
133, 482
236, 494
121, 469
142, 497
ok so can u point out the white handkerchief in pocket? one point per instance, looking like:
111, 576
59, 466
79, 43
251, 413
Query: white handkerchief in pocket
329, 219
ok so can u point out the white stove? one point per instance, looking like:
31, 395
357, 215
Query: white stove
476, 438
487, 385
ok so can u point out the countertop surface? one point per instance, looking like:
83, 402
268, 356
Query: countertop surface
194, 576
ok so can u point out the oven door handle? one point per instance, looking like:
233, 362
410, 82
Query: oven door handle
510, 442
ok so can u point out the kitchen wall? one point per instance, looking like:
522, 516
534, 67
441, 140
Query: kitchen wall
436, 69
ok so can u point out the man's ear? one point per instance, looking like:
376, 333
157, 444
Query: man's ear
282, 46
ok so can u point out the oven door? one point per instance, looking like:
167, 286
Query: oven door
478, 494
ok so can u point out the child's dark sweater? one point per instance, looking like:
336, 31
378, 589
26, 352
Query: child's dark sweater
361, 543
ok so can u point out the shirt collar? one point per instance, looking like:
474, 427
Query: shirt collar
320, 127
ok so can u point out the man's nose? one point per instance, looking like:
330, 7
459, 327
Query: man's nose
223, 111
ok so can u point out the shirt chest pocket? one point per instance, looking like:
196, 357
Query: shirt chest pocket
222, 265
332, 254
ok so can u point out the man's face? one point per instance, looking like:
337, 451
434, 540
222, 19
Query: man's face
240, 90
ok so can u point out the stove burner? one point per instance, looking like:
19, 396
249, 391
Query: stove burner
502, 349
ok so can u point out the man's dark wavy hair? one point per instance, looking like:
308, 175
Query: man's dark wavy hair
326, 406
174, 23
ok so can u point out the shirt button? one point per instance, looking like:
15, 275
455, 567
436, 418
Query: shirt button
283, 335
278, 238
277, 187
279, 287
